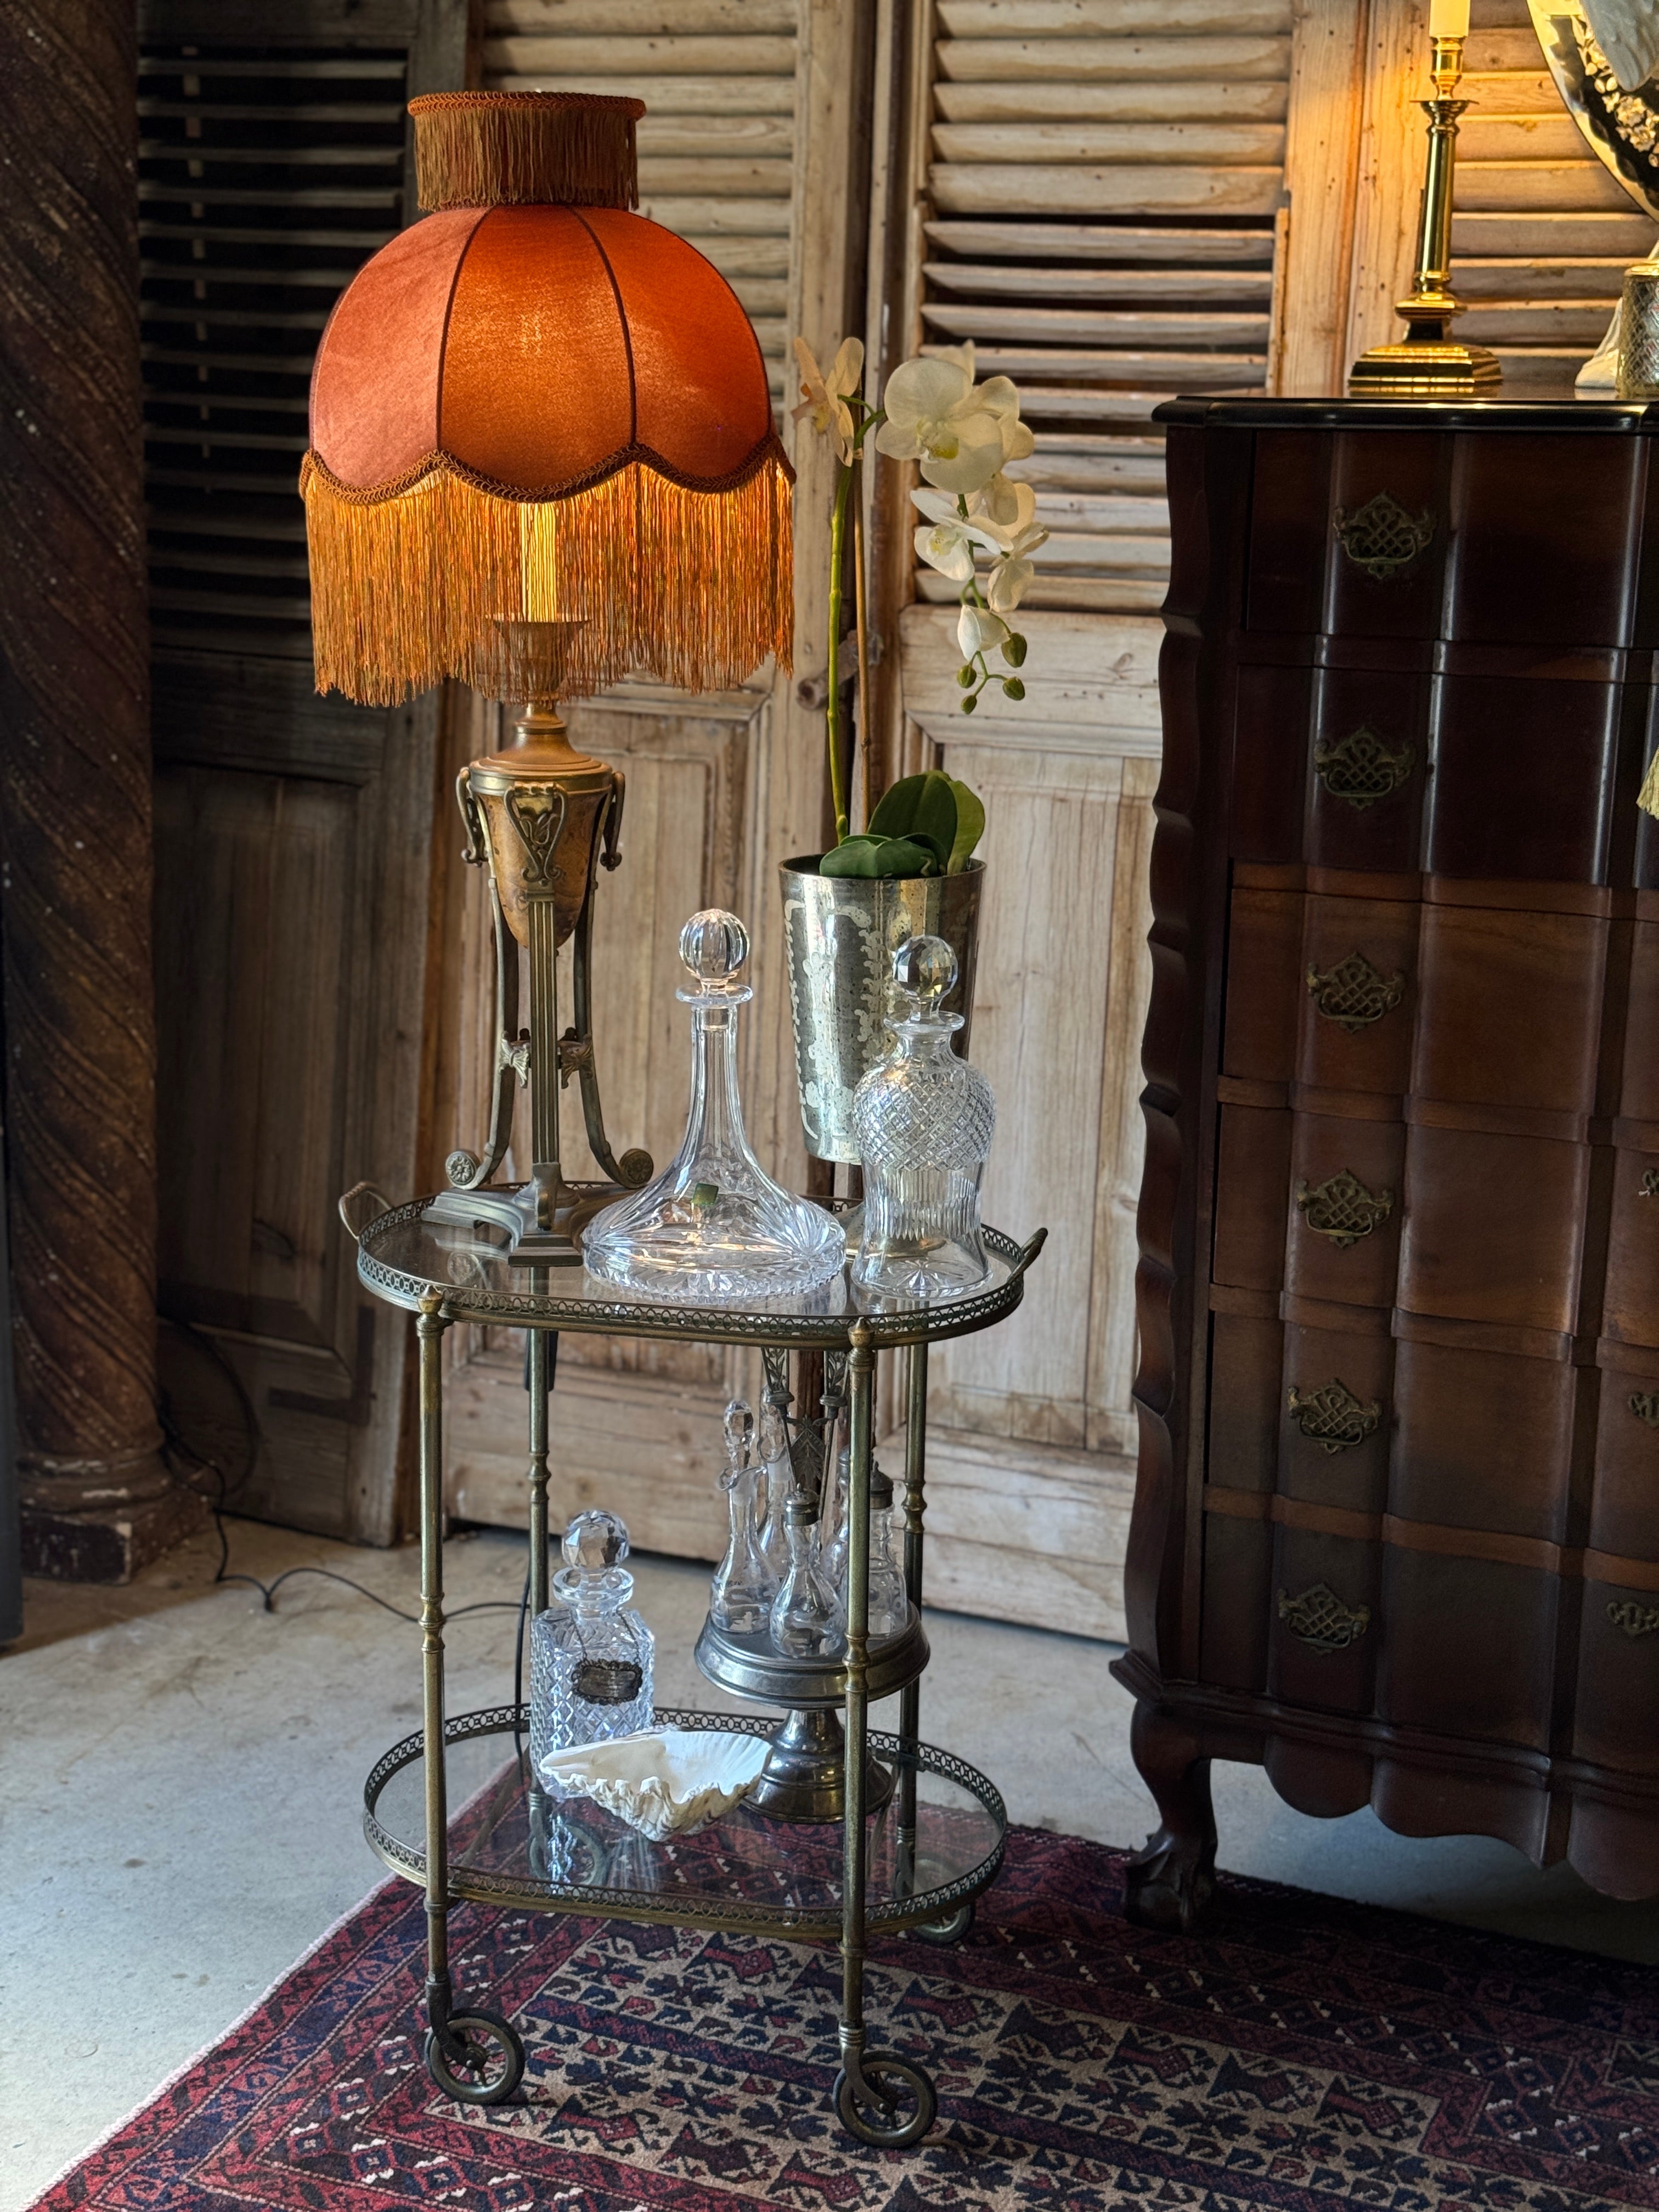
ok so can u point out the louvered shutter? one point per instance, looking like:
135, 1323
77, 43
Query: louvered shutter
1542, 232
1103, 185
265, 181
293, 833
718, 79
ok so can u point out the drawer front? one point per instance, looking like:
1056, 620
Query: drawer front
1616, 1722
1630, 1311
1264, 962
1493, 986
1492, 1228
1482, 1440
1347, 1205
1250, 1196
1470, 1647
1624, 1520
1324, 1632
1358, 994
1336, 1416
1369, 768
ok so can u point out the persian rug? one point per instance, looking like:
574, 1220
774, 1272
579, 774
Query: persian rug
1300, 2053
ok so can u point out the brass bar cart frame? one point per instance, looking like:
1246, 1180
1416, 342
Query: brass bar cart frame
446, 1278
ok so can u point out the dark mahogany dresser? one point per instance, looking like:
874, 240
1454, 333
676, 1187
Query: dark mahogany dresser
1396, 1533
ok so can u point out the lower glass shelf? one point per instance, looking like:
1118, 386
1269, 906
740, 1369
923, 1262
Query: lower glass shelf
511, 1845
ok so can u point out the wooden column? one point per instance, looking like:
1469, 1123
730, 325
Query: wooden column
74, 799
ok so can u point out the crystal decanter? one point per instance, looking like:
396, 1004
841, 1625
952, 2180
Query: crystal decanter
889, 1604
741, 1593
777, 1480
923, 1119
713, 1229
806, 1614
589, 1654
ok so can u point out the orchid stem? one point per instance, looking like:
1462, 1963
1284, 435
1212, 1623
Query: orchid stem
832, 705
861, 616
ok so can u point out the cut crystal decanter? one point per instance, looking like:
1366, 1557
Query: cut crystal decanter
832, 1520
589, 1654
713, 1229
806, 1614
777, 1480
889, 1605
925, 1119
740, 1596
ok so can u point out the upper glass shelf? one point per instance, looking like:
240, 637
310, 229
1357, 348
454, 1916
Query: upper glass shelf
403, 1258
935, 1844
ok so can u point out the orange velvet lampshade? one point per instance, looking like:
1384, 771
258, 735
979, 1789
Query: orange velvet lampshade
537, 404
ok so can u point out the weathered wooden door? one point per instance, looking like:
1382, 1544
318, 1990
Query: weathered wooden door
294, 834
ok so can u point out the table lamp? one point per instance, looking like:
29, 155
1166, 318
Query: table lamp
542, 454
1426, 363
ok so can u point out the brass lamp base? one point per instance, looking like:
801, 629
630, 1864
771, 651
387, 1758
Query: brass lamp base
1424, 368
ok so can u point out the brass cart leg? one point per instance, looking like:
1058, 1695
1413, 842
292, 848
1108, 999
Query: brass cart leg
952, 1929
868, 2088
474, 2056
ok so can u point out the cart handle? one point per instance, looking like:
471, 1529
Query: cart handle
1027, 1252
383, 1205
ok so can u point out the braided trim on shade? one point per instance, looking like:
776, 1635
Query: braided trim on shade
690, 585
501, 149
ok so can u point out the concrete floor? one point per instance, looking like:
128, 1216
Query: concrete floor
183, 1773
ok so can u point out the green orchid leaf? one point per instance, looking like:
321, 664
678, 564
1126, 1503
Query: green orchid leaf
854, 856
936, 846
896, 809
935, 816
970, 827
903, 856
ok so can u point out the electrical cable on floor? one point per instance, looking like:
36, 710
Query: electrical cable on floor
223, 1498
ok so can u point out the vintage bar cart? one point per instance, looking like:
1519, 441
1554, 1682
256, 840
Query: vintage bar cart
918, 1861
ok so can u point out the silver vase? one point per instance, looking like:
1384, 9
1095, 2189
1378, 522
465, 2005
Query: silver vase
841, 933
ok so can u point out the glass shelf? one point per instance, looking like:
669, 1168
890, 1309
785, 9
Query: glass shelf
511, 1845
402, 1257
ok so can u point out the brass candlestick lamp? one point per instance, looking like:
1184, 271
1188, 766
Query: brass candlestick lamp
544, 818
1426, 363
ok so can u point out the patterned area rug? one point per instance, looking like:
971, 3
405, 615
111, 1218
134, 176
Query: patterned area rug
1303, 2053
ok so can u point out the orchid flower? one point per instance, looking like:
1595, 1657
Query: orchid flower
949, 540
935, 417
824, 396
979, 631
1017, 540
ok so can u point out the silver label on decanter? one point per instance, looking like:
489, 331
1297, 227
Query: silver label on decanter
607, 1681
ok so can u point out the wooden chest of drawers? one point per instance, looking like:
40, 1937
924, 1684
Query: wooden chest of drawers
1396, 1533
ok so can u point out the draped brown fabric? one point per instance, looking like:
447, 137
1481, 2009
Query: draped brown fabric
559, 412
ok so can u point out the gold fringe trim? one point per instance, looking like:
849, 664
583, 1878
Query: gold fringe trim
1648, 798
514, 148
692, 587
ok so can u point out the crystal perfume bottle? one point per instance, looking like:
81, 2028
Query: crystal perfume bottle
832, 1521
925, 1119
740, 1596
777, 1480
889, 1605
590, 1654
713, 1229
806, 1614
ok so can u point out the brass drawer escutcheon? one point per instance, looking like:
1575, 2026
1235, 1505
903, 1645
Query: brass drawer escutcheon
1381, 537
1634, 1619
1363, 768
1644, 1404
1341, 1208
1320, 1619
1354, 993
1332, 1417
1649, 1186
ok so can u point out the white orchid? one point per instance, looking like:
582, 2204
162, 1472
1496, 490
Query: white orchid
979, 631
949, 540
934, 416
825, 395
1017, 540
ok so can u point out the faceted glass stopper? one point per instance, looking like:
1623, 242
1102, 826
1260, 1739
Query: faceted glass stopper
924, 972
594, 1541
714, 947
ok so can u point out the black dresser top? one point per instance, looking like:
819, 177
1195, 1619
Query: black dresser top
1551, 411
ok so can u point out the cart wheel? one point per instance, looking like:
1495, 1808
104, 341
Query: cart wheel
949, 1930
875, 2117
475, 2057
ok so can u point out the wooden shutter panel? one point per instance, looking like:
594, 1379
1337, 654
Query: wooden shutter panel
716, 146
1542, 233
293, 833
1103, 181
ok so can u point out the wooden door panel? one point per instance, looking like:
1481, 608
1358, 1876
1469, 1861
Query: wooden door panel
253, 898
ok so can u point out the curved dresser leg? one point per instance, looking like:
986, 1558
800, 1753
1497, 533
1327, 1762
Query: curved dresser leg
1172, 1878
